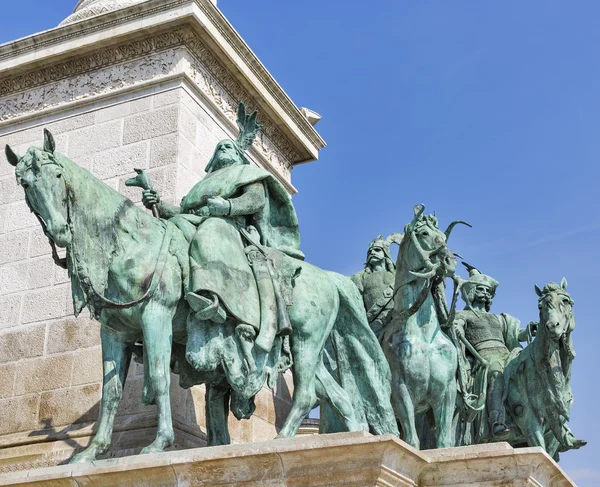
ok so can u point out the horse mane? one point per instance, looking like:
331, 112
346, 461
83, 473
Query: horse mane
98, 216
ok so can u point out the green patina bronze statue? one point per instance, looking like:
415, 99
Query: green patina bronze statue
528, 392
216, 290
376, 282
537, 381
494, 338
422, 358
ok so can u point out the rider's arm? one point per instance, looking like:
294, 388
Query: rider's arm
168, 211
525, 334
251, 201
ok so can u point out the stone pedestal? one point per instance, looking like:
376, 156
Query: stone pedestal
345, 459
152, 85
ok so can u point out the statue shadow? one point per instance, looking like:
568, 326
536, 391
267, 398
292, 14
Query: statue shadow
188, 419
66, 434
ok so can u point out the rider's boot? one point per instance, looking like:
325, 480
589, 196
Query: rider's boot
207, 307
500, 431
496, 416
268, 305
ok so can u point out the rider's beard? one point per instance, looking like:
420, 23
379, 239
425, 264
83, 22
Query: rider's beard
224, 160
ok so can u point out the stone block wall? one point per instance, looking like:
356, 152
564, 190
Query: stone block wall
50, 361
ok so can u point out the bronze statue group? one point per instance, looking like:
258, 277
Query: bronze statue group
217, 291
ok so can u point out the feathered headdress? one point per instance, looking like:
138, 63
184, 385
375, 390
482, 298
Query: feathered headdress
248, 126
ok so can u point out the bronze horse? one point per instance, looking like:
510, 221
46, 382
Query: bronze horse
131, 270
422, 357
538, 393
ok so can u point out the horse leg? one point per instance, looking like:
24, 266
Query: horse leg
156, 327
443, 413
217, 412
535, 431
305, 396
405, 413
327, 388
116, 356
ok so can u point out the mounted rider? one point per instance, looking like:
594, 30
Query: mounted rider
234, 218
495, 338
376, 282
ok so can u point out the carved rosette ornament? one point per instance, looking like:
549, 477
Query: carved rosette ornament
90, 8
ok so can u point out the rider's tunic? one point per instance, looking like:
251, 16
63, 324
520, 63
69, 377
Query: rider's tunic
377, 289
493, 336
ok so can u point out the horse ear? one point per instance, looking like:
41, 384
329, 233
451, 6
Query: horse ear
563, 283
538, 291
13, 158
49, 143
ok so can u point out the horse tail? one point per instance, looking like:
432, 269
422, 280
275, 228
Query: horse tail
357, 362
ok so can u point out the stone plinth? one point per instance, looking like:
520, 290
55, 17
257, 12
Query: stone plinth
154, 85
345, 459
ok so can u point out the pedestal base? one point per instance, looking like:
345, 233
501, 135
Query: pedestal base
345, 459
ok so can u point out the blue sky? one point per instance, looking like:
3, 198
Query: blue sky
484, 111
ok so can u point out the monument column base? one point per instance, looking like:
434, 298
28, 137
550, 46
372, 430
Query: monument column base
343, 459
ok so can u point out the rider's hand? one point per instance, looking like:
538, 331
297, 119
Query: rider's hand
218, 206
150, 197
458, 330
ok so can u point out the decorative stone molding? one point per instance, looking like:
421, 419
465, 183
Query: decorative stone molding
299, 133
135, 63
90, 8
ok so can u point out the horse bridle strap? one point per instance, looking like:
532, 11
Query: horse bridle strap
60, 262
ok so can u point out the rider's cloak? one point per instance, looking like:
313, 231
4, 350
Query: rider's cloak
217, 257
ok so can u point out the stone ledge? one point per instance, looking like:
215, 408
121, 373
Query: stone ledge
349, 459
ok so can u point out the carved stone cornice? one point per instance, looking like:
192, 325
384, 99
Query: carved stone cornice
306, 141
137, 62
91, 8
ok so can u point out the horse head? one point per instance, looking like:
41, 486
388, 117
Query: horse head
424, 251
40, 174
556, 310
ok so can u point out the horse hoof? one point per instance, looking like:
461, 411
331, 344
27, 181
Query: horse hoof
151, 449
81, 458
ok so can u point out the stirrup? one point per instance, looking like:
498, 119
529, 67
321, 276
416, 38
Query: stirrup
205, 309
